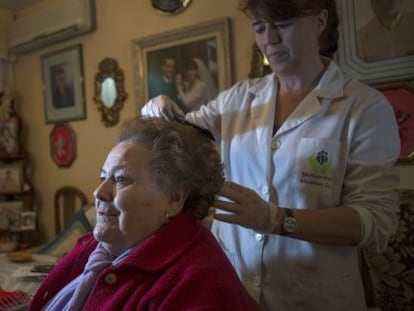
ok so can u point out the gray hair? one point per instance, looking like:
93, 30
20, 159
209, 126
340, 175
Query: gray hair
181, 156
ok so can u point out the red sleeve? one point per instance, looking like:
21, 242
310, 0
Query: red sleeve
68, 268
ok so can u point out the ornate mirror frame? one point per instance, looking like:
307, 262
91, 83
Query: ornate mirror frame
108, 68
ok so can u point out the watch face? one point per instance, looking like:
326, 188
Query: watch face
170, 6
290, 224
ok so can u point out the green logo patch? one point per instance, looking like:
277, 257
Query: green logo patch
320, 163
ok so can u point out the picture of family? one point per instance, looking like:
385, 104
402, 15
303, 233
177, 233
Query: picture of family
186, 73
384, 29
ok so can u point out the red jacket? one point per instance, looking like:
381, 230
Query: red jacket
180, 267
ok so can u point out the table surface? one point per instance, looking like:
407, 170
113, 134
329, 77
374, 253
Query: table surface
28, 284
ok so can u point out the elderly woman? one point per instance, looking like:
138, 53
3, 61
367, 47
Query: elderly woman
149, 249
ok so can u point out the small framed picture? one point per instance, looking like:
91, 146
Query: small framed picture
63, 145
9, 137
63, 85
27, 221
10, 215
11, 178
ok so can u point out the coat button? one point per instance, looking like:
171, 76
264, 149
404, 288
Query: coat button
275, 144
259, 237
110, 278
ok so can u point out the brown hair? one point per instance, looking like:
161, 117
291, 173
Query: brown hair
181, 155
278, 10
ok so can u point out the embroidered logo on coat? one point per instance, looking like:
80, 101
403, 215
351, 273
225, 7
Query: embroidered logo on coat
320, 163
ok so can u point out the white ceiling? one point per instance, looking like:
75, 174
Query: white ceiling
15, 5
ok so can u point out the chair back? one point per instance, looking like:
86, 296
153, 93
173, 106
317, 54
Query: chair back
67, 201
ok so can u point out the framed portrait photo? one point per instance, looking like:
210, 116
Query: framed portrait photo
27, 221
9, 137
63, 85
10, 215
163, 60
11, 178
63, 145
370, 51
401, 97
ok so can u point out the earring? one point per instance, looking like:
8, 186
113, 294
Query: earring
166, 217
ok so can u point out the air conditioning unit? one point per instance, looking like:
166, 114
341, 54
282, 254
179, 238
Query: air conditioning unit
58, 21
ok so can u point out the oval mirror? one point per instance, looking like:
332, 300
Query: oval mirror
109, 91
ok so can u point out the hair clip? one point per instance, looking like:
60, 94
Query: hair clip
202, 131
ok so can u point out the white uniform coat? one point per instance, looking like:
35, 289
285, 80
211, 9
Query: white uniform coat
336, 149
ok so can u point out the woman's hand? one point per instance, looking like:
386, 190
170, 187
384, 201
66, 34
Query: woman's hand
246, 208
162, 106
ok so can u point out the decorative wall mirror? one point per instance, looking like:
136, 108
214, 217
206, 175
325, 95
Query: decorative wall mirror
109, 91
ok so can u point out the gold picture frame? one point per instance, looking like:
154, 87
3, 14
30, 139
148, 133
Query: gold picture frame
208, 41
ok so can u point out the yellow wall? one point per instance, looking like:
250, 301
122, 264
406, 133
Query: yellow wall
119, 22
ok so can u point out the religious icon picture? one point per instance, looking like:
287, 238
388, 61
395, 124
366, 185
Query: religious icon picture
62, 145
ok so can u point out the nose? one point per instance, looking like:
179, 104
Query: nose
104, 192
272, 34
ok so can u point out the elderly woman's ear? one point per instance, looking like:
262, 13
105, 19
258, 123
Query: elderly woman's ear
177, 200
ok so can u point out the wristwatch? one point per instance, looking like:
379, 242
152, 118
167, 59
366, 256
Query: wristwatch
288, 224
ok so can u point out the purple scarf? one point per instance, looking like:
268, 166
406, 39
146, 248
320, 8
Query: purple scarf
73, 296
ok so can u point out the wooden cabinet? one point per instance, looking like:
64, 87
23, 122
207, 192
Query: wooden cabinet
17, 216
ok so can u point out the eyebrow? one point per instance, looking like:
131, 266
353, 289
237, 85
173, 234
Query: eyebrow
113, 170
201, 130
258, 22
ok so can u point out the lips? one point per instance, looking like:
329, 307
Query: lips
108, 213
107, 217
276, 53
106, 210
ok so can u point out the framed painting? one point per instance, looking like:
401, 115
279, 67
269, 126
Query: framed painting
10, 215
9, 137
401, 97
63, 85
171, 63
370, 51
63, 145
11, 178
